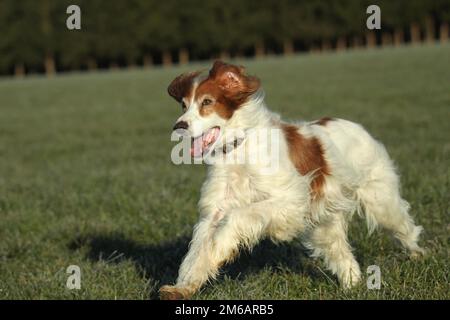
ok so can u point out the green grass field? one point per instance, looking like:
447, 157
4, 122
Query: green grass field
86, 179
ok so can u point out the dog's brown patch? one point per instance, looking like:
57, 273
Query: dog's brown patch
181, 86
229, 86
323, 121
207, 110
307, 156
222, 106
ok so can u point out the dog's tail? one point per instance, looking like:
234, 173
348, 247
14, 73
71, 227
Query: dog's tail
383, 206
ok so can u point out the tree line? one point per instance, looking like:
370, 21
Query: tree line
34, 37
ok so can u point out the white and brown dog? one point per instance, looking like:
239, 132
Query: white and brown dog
326, 171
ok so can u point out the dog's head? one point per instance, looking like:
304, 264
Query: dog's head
209, 102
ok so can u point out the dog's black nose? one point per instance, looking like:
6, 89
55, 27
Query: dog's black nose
181, 125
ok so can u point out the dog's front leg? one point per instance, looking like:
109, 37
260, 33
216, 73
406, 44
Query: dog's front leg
194, 268
216, 241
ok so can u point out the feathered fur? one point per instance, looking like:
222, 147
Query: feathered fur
343, 170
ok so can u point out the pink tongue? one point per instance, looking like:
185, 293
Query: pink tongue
201, 142
197, 147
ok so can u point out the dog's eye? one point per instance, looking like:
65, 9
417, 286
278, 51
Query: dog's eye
183, 106
206, 102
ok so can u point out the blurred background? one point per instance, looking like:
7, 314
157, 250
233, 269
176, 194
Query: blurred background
126, 34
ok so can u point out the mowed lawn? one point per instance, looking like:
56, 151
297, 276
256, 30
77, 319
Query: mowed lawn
86, 179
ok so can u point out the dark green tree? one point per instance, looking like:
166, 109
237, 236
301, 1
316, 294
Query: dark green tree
19, 43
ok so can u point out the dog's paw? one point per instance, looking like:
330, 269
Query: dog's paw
350, 278
417, 253
173, 293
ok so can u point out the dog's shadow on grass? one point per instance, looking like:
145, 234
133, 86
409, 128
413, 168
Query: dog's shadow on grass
161, 261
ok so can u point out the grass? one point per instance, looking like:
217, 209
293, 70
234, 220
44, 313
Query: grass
86, 179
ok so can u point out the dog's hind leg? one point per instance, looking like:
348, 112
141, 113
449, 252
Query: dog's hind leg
383, 206
328, 240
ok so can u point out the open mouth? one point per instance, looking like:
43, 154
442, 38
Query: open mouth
203, 143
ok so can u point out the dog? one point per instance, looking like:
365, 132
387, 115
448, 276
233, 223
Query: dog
327, 170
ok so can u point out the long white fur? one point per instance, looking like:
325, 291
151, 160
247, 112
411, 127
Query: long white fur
239, 205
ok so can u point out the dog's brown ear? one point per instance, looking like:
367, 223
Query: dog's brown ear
181, 86
234, 81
